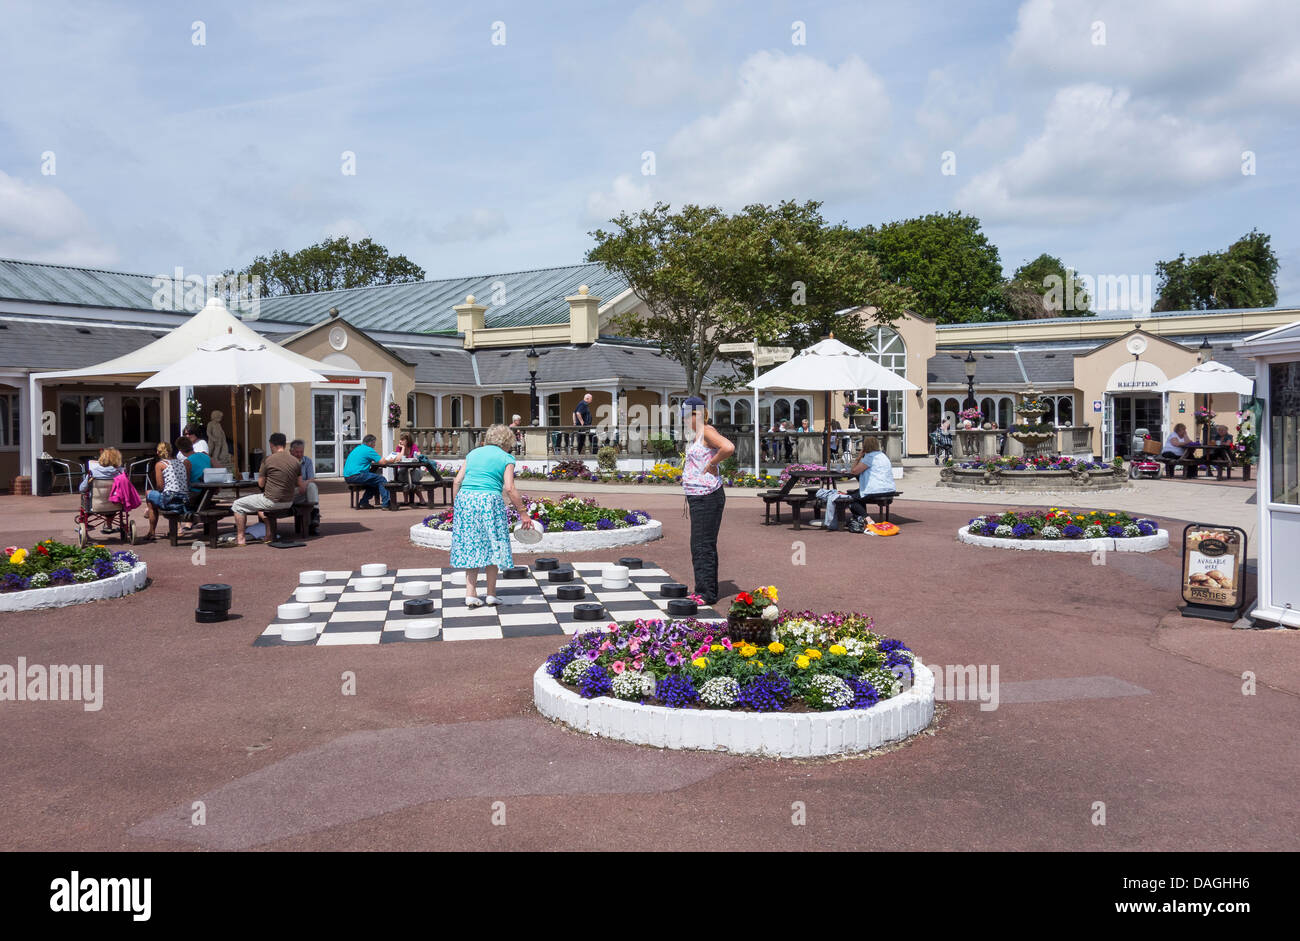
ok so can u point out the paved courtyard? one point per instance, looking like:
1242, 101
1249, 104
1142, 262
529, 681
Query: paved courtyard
1107, 694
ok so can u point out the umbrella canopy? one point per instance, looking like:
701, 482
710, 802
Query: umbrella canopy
831, 365
230, 361
1209, 379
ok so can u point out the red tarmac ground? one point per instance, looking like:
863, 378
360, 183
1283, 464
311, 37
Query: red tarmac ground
1152, 722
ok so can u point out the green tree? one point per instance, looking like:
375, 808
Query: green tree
330, 265
948, 263
1243, 275
772, 273
1044, 288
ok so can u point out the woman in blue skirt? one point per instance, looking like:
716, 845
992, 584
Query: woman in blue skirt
480, 533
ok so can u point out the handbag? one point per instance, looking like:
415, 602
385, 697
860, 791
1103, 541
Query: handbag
854, 524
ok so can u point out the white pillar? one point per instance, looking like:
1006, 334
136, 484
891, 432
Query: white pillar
34, 438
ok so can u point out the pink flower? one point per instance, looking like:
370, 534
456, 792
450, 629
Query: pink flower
613, 628
726, 642
606, 645
617, 666
634, 646
637, 663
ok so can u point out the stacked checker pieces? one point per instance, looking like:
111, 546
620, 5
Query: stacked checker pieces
214, 604
531, 604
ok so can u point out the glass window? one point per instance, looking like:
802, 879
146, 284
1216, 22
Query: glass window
933, 414
9, 421
324, 459
553, 410
742, 412
721, 412
1284, 431
499, 409
69, 419
781, 411
802, 410
132, 420
152, 420
352, 423
410, 409
1065, 410
988, 410
1004, 413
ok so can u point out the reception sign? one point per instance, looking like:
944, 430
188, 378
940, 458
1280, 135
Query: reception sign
1214, 570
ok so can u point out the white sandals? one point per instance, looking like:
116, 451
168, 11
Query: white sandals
474, 602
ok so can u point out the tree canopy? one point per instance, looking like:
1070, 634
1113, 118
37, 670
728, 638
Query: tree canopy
1243, 275
1045, 288
330, 266
949, 264
778, 274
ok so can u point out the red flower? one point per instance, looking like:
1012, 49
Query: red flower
745, 598
42, 550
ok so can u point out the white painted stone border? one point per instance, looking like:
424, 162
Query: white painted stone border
583, 541
773, 734
1134, 544
61, 596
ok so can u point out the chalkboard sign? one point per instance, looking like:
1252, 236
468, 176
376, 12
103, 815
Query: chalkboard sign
1214, 570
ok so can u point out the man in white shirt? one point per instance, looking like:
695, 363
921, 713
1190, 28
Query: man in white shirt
308, 473
200, 445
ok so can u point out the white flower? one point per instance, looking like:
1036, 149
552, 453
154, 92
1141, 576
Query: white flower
770, 613
720, 692
828, 692
1050, 532
629, 685
1132, 530
1095, 531
1003, 530
574, 670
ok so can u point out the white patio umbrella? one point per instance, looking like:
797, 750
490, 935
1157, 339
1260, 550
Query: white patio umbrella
232, 361
830, 365
1208, 378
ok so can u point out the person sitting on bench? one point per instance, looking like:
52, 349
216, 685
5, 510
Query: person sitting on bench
1177, 443
311, 495
875, 478
280, 480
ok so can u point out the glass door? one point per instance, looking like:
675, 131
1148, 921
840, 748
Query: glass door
338, 425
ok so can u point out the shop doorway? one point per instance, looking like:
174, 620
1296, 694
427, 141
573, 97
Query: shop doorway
1123, 416
338, 425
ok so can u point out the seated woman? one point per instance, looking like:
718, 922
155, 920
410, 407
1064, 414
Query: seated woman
409, 477
875, 476
1177, 443
173, 473
107, 467
1221, 438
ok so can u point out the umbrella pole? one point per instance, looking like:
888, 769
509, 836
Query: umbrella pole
826, 433
234, 456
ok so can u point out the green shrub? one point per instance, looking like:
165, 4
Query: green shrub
607, 459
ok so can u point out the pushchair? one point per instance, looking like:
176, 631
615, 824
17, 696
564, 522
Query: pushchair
104, 515
942, 444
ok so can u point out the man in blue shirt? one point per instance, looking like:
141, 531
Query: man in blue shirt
199, 462
357, 472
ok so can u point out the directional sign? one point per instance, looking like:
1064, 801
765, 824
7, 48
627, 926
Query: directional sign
776, 354
736, 348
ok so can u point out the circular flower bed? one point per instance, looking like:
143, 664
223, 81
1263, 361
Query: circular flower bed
838, 685
661, 473
53, 574
1033, 473
1055, 462
1065, 530
570, 523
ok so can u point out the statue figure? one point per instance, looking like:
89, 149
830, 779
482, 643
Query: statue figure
218, 450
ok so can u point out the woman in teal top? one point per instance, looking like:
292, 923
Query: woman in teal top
480, 533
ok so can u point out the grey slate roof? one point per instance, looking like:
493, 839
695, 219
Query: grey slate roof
63, 284
531, 298
39, 345
993, 367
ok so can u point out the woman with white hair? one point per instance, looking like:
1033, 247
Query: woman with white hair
480, 532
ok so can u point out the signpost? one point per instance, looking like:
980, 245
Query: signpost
1214, 571
763, 356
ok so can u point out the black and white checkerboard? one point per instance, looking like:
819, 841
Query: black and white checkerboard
529, 606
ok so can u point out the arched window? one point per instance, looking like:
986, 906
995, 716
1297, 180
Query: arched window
721, 412
1065, 410
410, 410
1004, 413
456, 413
741, 412
989, 409
885, 347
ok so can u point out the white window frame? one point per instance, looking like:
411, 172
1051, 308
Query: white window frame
11, 431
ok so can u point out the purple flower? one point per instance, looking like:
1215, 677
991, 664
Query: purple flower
673, 659
676, 691
1114, 530
15, 582
61, 576
1022, 531
573, 526
1072, 532
604, 524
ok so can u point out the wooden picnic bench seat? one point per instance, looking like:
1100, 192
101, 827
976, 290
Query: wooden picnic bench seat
301, 513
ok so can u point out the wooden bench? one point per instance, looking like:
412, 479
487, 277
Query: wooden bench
301, 513
434, 487
882, 502
774, 498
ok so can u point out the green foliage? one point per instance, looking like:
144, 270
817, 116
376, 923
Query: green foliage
729, 468
607, 459
330, 266
662, 445
1244, 275
775, 273
1044, 288
950, 266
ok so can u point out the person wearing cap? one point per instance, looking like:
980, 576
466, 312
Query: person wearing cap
704, 494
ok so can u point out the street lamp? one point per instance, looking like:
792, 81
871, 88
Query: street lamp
970, 380
1207, 351
532, 380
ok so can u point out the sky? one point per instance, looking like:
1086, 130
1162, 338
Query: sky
495, 137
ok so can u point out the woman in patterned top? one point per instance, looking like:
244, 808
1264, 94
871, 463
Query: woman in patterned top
173, 474
704, 494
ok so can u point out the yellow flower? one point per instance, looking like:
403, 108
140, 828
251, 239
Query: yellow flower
716, 647
814, 653
770, 591
1112, 514
700, 662
776, 647
759, 662
748, 651
802, 662
18, 557
838, 650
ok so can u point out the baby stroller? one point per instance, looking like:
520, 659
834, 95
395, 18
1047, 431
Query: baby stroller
1141, 462
942, 442
104, 515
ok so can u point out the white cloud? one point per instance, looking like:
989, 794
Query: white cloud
39, 222
794, 127
1212, 56
478, 223
1100, 152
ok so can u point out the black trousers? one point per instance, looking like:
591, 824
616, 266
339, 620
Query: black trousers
706, 518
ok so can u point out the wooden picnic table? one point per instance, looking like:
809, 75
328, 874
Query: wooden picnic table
1215, 456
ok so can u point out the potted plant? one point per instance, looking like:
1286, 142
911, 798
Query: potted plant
753, 614
861, 416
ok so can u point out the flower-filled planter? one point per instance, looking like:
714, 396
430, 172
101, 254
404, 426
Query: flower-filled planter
753, 615
53, 574
569, 524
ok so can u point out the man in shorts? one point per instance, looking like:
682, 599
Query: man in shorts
311, 495
281, 481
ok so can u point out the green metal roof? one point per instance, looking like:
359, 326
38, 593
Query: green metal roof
527, 298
